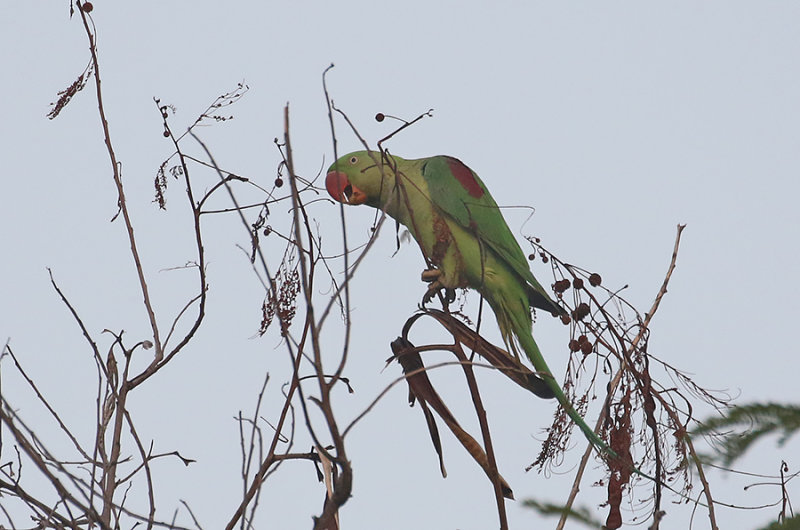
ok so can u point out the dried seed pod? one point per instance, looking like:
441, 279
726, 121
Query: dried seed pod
574, 346
561, 285
577, 283
595, 279
565, 319
581, 311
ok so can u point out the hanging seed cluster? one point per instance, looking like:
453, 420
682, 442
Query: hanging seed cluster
581, 344
582, 309
539, 250
281, 300
65, 96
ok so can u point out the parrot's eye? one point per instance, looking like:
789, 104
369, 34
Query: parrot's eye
353, 159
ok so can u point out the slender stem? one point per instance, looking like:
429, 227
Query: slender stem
117, 175
466, 365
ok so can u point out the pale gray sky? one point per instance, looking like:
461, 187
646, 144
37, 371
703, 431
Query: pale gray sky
616, 121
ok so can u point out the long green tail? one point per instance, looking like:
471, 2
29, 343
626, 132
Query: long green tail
525, 338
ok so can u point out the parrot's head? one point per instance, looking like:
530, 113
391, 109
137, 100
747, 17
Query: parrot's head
355, 179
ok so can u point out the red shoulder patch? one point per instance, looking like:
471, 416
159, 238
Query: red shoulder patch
465, 176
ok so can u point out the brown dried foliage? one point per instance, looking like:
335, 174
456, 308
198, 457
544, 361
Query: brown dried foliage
620, 468
281, 300
65, 96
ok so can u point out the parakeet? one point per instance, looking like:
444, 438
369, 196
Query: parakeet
463, 237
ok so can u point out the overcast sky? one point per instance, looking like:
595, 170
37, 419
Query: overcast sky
616, 121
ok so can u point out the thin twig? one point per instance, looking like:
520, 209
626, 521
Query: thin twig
115, 168
487, 438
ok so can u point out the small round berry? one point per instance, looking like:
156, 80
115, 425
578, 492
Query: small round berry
577, 283
87, 7
380, 117
565, 319
581, 311
595, 279
561, 285
574, 345
166, 133
586, 348
278, 182
531, 257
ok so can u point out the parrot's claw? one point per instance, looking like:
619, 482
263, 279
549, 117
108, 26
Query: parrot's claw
435, 287
449, 296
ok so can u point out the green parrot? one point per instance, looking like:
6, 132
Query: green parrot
465, 240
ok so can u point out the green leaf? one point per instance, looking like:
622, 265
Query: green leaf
788, 524
581, 515
744, 425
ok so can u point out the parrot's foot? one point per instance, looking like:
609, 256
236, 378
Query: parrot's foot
434, 288
432, 277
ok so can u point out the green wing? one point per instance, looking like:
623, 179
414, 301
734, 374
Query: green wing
461, 194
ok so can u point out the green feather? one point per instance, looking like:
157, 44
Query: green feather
482, 216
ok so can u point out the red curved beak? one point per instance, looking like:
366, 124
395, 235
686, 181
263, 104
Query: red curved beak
341, 190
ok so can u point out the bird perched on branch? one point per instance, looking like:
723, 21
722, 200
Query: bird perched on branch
465, 240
